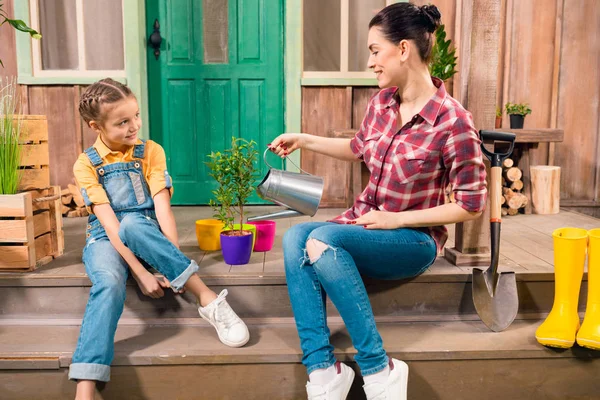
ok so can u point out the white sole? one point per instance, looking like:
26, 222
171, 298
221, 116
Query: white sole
225, 341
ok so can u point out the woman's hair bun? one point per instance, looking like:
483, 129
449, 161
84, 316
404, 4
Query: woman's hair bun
433, 15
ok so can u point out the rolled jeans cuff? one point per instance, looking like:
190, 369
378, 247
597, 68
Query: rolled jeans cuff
91, 372
177, 283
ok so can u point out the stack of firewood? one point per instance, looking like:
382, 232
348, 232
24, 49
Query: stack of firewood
512, 185
73, 204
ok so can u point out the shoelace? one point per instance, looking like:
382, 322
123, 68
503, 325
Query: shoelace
225, 315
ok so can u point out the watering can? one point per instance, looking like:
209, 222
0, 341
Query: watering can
299, 192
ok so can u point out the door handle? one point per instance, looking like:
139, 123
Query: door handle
155, 39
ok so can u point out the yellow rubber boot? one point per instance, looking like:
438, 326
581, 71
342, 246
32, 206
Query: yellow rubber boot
589, 334
559, 329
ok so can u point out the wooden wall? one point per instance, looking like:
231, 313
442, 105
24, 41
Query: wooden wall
549, 57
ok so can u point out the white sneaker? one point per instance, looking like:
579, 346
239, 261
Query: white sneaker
337, 389
395, 387
231, 329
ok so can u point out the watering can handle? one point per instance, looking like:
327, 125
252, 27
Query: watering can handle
289, 159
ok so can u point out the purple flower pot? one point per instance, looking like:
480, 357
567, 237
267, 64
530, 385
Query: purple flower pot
236, 249
265, 232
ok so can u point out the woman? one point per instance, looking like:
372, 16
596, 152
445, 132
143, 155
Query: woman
415, 139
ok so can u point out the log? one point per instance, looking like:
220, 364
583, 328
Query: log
504, 211
545, 189
517, 185
65, 210
77, 197
514, 199
508, 163
512, 174
513, 211
66, 199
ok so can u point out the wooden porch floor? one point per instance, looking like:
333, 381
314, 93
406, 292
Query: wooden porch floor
526, 247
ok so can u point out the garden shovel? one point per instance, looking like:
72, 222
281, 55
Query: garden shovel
495, 294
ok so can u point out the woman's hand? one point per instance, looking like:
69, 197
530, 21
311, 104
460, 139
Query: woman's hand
284, 145
379, 220
150, 285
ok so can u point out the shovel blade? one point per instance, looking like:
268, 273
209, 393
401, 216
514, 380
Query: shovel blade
496, 308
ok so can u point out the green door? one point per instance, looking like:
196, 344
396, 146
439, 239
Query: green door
219, 75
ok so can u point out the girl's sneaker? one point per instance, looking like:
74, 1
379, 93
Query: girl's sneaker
337, 389
395, 387
231, 329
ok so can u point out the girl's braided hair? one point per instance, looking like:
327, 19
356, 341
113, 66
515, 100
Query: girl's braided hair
106, 91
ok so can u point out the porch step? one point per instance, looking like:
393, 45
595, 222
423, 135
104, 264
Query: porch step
442, 297
447, 360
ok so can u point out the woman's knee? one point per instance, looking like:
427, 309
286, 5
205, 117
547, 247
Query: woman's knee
110, 287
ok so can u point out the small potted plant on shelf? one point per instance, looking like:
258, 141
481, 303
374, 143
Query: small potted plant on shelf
517, 113
498, 123
234, 169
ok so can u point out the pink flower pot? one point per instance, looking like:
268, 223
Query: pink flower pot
265, 235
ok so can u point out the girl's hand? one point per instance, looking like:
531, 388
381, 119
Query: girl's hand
151, 286
284, 145
379, 220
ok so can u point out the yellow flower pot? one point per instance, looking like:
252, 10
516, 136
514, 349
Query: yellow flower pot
208, 233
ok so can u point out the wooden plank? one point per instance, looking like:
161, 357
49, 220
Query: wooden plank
57, 102
13, 230
16, 257
8, 45
34, 154
479, 50
16, 205
56, 223
324, 109
35, 178
560, 4
34, 128
537, 135
579, 96
43, 246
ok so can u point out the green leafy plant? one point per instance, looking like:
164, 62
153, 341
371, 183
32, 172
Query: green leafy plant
517, 108
18, 24
443, 58
498, 112
233, 169
10, 132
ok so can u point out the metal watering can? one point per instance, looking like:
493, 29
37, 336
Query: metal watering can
300, 193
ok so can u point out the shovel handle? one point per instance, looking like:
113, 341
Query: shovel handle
495, 194
497, 136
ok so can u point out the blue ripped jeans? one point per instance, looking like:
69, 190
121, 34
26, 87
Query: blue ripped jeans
351, 251
108, 271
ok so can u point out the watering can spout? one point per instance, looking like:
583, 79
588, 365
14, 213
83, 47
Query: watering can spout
276, 215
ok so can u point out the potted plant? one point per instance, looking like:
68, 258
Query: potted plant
498, 123
443, 58
517, 113
10, 133
28, 241
234, 169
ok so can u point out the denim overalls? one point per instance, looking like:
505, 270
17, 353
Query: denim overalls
129, 196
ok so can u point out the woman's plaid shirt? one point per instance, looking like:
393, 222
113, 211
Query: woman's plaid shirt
411, 168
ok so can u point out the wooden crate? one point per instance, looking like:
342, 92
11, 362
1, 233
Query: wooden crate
35, 158
31, 229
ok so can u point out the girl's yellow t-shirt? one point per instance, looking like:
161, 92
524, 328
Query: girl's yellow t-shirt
154, 168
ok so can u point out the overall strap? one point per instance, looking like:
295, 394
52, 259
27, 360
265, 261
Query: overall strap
93, 155
139, 149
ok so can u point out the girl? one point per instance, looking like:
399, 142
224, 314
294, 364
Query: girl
126, 186
415, 139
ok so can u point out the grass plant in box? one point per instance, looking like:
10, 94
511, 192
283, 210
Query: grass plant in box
10, 132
